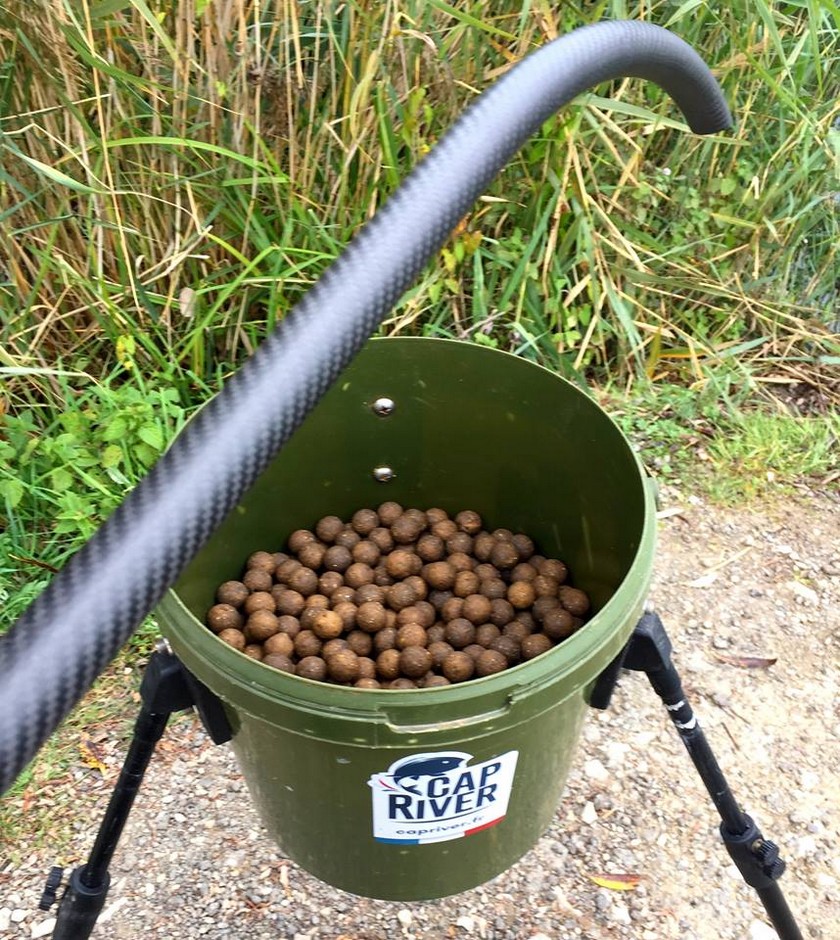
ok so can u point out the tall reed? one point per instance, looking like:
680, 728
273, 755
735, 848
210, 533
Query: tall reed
178, 174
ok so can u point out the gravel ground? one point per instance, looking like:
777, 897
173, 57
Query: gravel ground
194, 861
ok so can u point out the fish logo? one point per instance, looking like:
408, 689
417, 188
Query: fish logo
427, 765
406, 773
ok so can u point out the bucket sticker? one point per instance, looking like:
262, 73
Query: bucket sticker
436, 796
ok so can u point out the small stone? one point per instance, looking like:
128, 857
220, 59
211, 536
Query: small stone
800, 817
466, 922
760, 931
5, 918
810, 780
721, 699
808, 595
589, 814
619, 913
803, 847
405, 917
596, 771
44, 929
616, 751
18, 915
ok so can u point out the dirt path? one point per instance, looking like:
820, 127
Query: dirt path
760, 582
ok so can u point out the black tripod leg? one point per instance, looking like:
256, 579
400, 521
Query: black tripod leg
88, 887
649, 651
166, 688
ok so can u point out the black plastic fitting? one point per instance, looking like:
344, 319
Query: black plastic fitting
755, 857
80, 906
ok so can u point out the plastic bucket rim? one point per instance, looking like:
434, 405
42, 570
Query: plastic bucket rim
567, 657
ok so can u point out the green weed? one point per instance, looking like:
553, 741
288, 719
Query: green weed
65, 465
759, 453
722, 440
170, 185
80, 762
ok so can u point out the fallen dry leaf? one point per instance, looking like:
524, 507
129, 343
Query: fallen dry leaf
668, 513
91, 756
747, 662
615, 881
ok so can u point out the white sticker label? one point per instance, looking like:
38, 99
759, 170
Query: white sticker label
435, 797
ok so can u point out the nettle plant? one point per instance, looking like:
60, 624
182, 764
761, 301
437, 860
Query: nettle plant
65, 477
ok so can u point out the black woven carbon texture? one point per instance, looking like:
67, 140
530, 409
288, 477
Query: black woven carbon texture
72, 631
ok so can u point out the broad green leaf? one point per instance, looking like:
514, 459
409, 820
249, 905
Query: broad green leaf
111, 456
115, 474
152, 435
682, 10
61, 479
54, 175
94, 60
12, 491
143, 9
145, 454
632, 110
107, 7
116, 429
470, 20
162, 141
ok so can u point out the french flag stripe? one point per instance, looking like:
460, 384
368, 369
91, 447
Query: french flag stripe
486, 825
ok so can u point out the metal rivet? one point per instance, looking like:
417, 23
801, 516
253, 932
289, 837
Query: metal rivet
383, 474
384, 407
162, 646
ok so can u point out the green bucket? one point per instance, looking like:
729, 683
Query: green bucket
408, 795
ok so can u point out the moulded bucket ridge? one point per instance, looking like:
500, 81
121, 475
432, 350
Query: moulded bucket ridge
408, 795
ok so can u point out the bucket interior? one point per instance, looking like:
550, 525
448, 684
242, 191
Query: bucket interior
471, 428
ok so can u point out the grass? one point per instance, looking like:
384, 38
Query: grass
761, 454
71, 448
720, 441
80, 761
78, 765
181, 179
